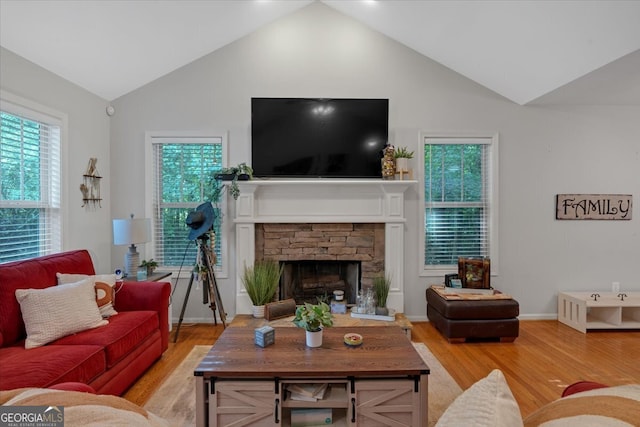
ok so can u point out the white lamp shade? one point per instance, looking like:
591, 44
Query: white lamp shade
131, 231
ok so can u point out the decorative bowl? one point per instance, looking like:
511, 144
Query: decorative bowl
352, 339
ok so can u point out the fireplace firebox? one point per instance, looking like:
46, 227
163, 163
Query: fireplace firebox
310, 281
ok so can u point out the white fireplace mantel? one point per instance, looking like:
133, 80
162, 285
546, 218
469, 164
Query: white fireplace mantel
322, 201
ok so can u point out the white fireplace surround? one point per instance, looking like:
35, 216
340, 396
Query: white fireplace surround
322, 201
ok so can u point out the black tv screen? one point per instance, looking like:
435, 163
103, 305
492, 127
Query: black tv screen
305, 137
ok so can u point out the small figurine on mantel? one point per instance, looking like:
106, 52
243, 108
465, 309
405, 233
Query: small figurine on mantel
388, 162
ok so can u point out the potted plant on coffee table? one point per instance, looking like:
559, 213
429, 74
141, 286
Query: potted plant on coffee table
312, 318
381, 286
261, 282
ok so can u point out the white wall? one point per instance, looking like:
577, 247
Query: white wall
88, 136
317, 52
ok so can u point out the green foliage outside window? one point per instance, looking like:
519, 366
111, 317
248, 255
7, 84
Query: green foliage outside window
20, 188
185, 171
20, 154
455, 203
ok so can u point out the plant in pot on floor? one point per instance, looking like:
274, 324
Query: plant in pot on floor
381, 286
261, 282
312, 318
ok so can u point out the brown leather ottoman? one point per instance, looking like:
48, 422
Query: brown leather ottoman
459, 320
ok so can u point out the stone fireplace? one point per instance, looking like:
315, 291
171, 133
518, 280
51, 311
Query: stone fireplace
357, 221
320, 258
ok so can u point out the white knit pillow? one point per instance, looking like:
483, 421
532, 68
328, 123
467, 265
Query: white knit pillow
105, 295
58, 311
487, 403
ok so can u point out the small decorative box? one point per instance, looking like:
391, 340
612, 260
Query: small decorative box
339, 307
265, 336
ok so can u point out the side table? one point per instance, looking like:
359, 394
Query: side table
155, 277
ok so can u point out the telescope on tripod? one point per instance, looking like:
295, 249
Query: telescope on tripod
200, 222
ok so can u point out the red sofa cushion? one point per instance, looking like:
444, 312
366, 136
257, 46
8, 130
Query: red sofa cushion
125, 331
72, 386
49, 365
31, 274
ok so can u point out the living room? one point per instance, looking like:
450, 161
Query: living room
587, 144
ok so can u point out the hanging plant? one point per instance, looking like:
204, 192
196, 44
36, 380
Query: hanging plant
241, 172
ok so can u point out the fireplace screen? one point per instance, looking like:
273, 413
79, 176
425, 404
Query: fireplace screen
309, 281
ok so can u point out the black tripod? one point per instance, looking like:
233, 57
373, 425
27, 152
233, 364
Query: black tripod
210, 291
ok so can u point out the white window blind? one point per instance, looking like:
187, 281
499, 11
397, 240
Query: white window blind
183, 179
457, 200
30, 214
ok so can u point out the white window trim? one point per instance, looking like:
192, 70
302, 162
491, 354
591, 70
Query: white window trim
493, 186
225, 226
28, 108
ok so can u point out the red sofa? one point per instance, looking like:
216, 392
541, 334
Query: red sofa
108, 358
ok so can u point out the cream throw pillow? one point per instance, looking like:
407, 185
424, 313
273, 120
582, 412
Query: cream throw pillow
489, 402
58, 311
105, 291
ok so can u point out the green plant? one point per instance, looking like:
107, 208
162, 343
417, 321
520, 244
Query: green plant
381, 286
261, 281
151, 264
312, 317
244, 169
324, 298
403, 152
230, 174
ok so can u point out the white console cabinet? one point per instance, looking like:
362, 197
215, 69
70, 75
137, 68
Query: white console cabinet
599, 310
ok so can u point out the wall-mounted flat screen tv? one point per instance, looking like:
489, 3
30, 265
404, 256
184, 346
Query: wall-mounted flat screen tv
316, 137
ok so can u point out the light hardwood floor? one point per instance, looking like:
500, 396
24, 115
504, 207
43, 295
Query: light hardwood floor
546, 357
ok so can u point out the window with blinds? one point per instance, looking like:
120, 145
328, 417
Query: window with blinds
457, 200
183, 180
30, 214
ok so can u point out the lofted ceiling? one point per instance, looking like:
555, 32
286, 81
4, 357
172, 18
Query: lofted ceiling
530, 52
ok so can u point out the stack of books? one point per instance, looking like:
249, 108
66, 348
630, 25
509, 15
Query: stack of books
307, 392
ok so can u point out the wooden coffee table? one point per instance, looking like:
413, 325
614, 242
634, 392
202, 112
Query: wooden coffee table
384, 380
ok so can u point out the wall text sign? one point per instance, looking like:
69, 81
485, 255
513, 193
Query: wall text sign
594, 206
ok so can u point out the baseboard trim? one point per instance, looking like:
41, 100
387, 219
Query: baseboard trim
536, 316
539, 316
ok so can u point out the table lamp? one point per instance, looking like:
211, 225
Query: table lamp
131, 232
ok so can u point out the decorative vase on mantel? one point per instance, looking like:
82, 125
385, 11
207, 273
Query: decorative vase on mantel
402, 164
314, 338
388, 162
